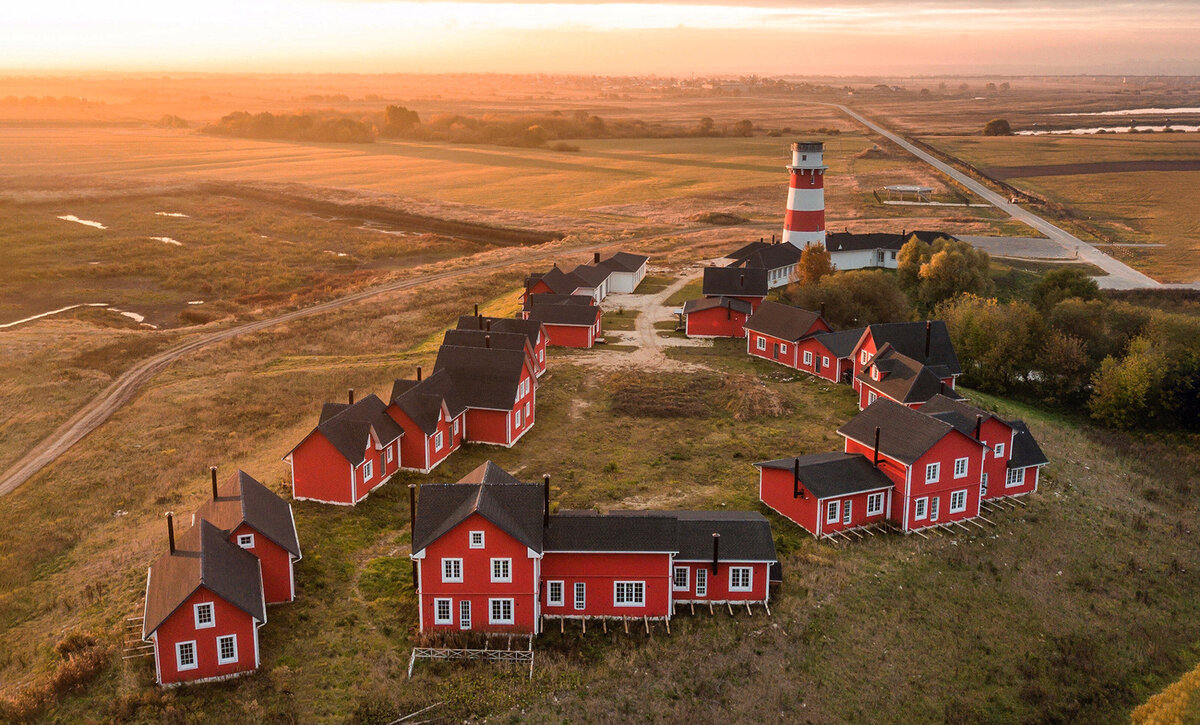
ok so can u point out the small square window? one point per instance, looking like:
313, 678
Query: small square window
999, 450
501, 611
554, 594
368, 470
388, 453
517, 419
501, 570
452, 570
437, 441
185, 655
808, 357
933, 472
741, 578
629, 594
958, 502
875, 504
227, 649
205, 617
761, 343
679, 579
919, 508
871, 397
246, 541
476, 539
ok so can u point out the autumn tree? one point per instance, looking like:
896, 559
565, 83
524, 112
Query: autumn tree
398, 119
934, 272
814, 264
1063, 283
992, 340
854, 298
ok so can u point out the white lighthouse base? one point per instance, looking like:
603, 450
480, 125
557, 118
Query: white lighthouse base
802, 239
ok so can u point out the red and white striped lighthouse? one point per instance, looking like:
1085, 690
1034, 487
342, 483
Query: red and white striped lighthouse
805, 221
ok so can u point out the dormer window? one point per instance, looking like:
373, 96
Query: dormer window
874, 372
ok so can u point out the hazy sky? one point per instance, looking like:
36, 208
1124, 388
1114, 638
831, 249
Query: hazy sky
697, 36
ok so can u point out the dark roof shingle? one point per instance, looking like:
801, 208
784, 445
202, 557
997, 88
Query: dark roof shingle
242, 499
829, 475
348, 427
1025, 448
708, 303
841, 343
782, 321
488, 472
517, 508
624, 262
908, 338
531, 329
422, 400
903, 379
589, 531
734, 282
905, 434
483, 377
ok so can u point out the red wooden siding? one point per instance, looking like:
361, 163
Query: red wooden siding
181, 627
320, 472
600, 572
571, 335
718, 583
276, 561
715, 322
779, 351
775, 489
824, 363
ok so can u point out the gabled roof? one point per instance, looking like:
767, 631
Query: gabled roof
593, 275
349, 427
829, 475
709, 303
1025, 448
782, 321
909, 339
564, 312
203, 557
558, 281
243, 500
590, 531
770, 256
904, 434
745, 251
495, 338
517, 508
841, 343
545, 300
734, 282
530, 328
483, 377
745, 535
624, 262
903, 379
957, 412
423, 401
489, 472
848, 242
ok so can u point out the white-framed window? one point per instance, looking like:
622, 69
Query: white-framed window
875, 504
528, 408
443, 611
246, 541
871, 396
476, 539
227, 649
204, 615
783, 348
983, 485
500, 611
702, 582
960, 467
874, 372
934, 503
185, 655
1016, 477
808, 357
824, 361
541, 355
919, 508
833, 512
452, 570
761, 342
680, 579
456, 426
368, 470
464, 614
933, 472
958, 502
846, 513
517, 418
580, 596
554, 594
388, 454
864, 357
629, 594
741, 578
999, 450
501, 570
437, 441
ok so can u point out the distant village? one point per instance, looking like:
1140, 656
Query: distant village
492, 554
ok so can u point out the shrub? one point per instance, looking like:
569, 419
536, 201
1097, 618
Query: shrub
997, 127
854, 298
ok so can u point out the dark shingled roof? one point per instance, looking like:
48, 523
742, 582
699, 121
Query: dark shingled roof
478, 338
909, 339
589, 531
828, 475
745, 535
842, 343
743, 252
903, 379
905, 434
530, 328
734, 282
488, 472
422, 400
558, 281
847, 241
242, 499
348, 427
546, 300
517, 508
203, 557
782, 321
708, 303
593, 275
565, 314
624, 262
957, 412
770, 256
483, 378
1025, 448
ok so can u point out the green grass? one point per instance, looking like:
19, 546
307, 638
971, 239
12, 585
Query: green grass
689, 291
652, 284
620, 319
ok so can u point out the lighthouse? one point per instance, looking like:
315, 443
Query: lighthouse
805, 221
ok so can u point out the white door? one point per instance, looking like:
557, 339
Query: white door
933, 508
846, 513
464, 614
702, 582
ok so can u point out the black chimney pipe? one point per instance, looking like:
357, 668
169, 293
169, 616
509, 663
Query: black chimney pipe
487, 341
796, 479
978, 425
487, 325
213, 472
350, 395
741, 280
477, 309
595, 258
412, 526
941, 387
928, 334
875, 459
546, 490
171, 531
418, 373
716, 551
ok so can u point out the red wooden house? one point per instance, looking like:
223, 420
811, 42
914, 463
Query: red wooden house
497, 387
354, 448
558, 282
926, 342
204, 605
747, 285
715, 317
774, 333
489, 338
893, 375
829, 355
779, 259
433, 417
825, 492
935, 468
260, 522
533, 330
569, 320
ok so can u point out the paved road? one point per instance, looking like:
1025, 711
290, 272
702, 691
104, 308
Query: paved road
1120, 276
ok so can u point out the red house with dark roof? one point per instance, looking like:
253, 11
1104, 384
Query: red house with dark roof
774, 333
926, 342
747, 285
715, 317
533, 330
497, 387
433, 417
260, 522
891, 374
825, 493
829, 355
204, 605
569, 320
354, 448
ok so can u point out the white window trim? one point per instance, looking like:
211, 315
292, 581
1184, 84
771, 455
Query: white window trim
808, 357
437, 612
761, 343
999, 450
847, 513
1011, 481
687, 579
482, 540
639, 586
962, 496
517, 418
227, 660
983, 484
456, 426
875, 503
528, 408
749, 571
864, 356
368, 470
246, 541
551, 601
920, 509
783, 348
452, 579
179, 666
933, 472
512, 611
935, 506
438, 441
464, 614
579, 596
212, 615
964, 464
702, 582
835, 508
824, 361
871, 396
507, 564
389, 454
